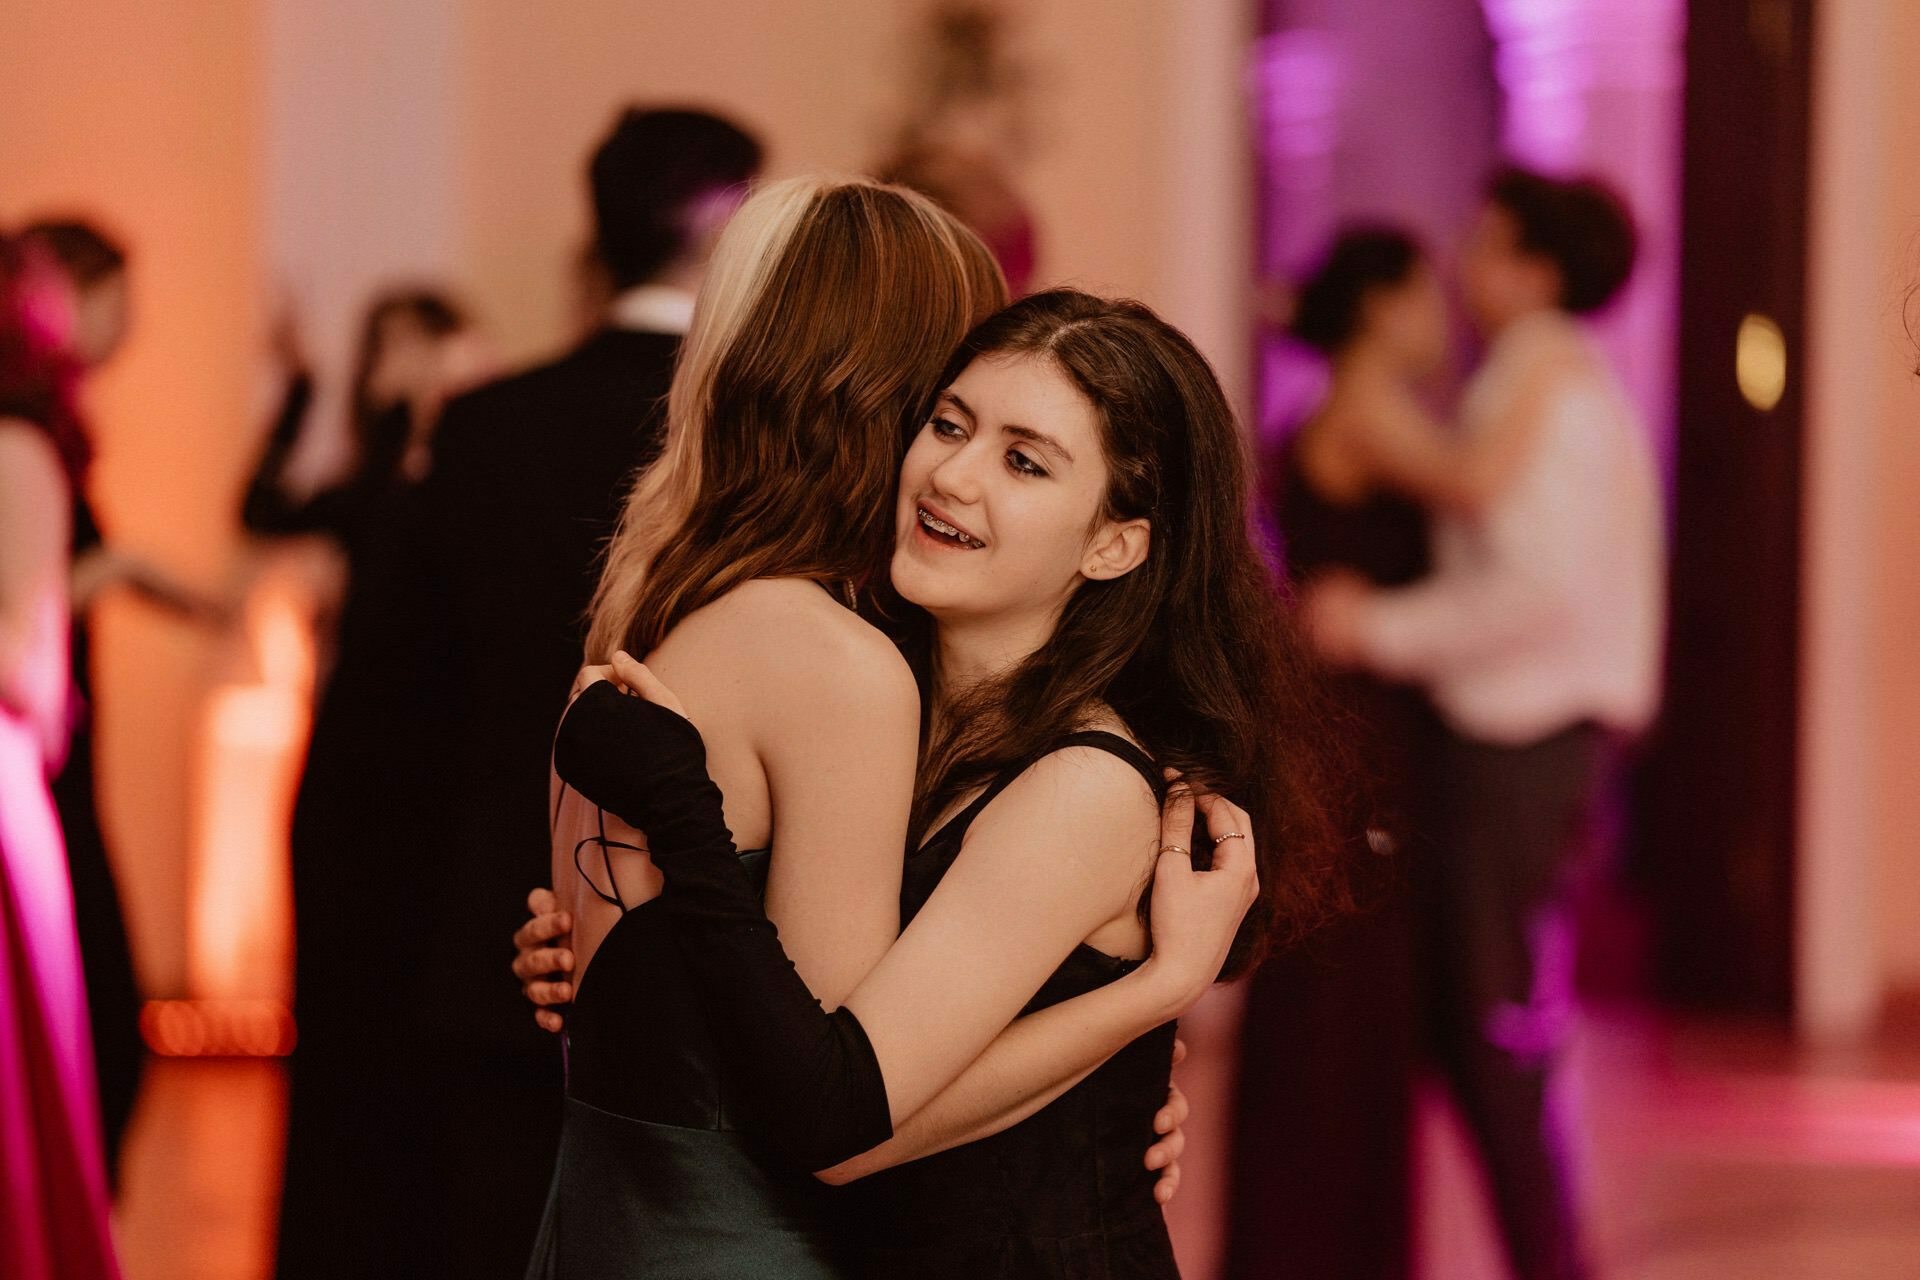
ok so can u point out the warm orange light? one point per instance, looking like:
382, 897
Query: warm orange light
217, 1028
1760, 362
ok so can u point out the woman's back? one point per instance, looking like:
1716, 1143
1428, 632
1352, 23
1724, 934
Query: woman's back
659, 1173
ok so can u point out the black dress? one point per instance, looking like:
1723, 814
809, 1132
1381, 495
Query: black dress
113, 994
1330, 1045
421, 1088
1063, 1193
659, 1174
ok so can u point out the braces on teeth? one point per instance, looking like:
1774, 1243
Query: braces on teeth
941, 526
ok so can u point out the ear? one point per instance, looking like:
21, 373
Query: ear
1117, 548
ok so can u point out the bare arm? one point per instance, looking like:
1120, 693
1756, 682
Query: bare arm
34, 530
839, 756
1408, 450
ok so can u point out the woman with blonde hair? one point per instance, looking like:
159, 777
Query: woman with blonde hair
817, 343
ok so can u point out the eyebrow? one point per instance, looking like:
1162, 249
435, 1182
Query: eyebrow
1040, 438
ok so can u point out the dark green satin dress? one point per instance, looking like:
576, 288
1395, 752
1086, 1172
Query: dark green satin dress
659, 1175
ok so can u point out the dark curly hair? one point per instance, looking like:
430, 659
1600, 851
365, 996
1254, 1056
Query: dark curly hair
1362, 259
1580, 225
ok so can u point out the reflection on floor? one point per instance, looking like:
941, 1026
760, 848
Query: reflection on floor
201, 1182
1712, 1152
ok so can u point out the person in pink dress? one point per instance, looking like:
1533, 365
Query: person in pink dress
53, 1190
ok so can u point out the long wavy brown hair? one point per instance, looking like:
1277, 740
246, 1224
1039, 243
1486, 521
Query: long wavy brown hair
1194, 649
827, 313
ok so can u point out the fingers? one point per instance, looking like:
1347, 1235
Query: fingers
1169, 1184
1167, 1151
588, 676
1169, 1118
530, 966
541, 901
1224, 816
1176, 828
637, 677
542, 929
1179, 1055
545, 994
1233, 856
548, 1020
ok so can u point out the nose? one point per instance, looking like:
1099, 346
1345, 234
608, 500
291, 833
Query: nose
959, 476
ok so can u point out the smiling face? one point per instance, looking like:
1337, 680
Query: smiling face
1003, 498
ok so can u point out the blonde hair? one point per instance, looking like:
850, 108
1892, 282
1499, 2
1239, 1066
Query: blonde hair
822, 327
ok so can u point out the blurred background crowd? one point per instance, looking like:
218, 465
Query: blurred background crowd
1571, 337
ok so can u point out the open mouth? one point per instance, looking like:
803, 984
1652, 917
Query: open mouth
941, 531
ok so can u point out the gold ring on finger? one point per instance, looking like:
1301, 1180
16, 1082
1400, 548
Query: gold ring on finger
1231, 835
1176, 848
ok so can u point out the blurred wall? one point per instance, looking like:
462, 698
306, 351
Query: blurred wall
1894, 500
145, 116
1860, 901
1136, 178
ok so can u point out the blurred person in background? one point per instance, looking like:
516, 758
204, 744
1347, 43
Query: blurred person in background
417, 348
976, 190
95, 268
53, 1184
1537, 636
425, 1114
1329, 1046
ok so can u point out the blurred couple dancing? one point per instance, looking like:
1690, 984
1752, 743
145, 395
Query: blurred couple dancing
1494, 591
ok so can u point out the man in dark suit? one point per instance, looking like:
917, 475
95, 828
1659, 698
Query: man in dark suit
496, 552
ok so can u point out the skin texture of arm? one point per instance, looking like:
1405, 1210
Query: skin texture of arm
826, 709
1027, 1066
34, 519
839, 757
1061, 852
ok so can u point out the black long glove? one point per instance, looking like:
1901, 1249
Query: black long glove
815, 1074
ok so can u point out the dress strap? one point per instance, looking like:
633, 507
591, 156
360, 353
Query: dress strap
1114, 744
1099, 739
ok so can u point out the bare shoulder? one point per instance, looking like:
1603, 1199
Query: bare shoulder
27, 449
30, 465
797, 644
1097, 808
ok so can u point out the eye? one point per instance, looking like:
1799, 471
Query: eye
1021, 463
946, 429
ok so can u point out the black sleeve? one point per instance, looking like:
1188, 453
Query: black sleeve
268, 509
815, 1071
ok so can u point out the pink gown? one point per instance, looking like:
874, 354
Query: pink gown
53, 1189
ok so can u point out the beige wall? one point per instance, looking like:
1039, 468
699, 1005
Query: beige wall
1895, 504
1136, 105
1860, 879
143, 115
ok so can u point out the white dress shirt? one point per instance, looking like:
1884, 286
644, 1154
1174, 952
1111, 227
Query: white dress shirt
1547, 608
652, 308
